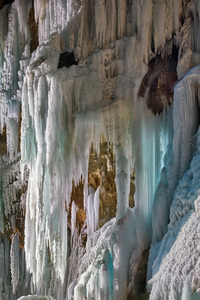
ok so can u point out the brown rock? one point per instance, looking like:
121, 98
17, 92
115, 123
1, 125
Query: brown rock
101, 172
3, 145
33, 26
158, 83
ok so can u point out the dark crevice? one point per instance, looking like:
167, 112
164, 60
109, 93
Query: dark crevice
67, 59
5, 2
139, 292
33, 27
152, 44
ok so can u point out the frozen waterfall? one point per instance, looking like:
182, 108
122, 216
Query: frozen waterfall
93, 174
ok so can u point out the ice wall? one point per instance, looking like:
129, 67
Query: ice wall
109, 21
173, 266
15, 275
66, 110
63, 112
178, 158
14, 280
14, 54
184, 208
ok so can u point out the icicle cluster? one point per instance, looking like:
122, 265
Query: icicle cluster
14, 280
173, 268
63, 112
110, 21
15, 55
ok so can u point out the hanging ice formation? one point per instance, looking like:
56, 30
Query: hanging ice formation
53, 243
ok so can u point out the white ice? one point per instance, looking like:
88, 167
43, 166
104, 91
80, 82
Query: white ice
173, 263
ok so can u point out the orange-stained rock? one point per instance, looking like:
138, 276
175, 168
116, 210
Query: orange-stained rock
101, 172
77, 197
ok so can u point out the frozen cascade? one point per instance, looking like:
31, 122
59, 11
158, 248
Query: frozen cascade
173, 271
13, 277
53, 16
65, 111
57, 154
186, 120
15, 55
110, 21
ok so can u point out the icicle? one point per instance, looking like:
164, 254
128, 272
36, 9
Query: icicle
1, 209
187, 292
14, 258
122, 182
90, 214
73, 219
36, 297
96, 208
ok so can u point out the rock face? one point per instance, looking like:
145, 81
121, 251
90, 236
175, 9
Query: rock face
101, 172
158, 83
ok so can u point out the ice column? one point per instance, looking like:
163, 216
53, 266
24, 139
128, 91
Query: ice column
92, 206
150, 137
177, 159
122, 181
1, 209
96, 208
73, 219
14, 258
